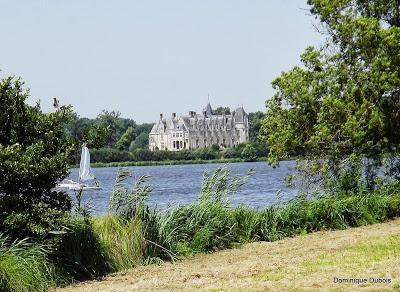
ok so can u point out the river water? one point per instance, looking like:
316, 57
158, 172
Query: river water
180, 184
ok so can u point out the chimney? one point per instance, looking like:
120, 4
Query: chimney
161, 116
173, 115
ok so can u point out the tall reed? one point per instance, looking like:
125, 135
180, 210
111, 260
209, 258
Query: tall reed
123, 240
24, 266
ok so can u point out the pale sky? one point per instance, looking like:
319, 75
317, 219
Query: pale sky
146, 57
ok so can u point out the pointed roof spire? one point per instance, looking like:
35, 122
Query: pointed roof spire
208, 110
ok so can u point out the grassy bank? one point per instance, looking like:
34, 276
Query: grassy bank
167, 162
300, 263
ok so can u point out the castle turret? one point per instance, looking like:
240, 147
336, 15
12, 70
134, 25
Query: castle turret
241, 124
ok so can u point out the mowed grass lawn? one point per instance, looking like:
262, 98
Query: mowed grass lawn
305, 262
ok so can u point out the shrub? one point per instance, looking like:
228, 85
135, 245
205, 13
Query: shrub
34, 155
249, 153
109, 155
230, 153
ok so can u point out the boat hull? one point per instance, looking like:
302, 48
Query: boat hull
75, 186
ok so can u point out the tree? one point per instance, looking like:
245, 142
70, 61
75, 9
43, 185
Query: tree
126, 139
222, 110
343, 105
249, 153
34, 155
143, 128
141, 142
230, 153
255, 120
111, 120
78, 126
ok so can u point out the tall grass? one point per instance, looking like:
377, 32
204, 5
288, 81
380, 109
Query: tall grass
211, 223
24, 266
208, 223
123, 240
80, 251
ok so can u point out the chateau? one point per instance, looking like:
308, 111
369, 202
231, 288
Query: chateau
194, 131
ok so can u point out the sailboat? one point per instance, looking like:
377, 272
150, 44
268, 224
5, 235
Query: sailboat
85, 175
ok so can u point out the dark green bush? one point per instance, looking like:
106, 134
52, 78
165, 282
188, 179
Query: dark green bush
109, 155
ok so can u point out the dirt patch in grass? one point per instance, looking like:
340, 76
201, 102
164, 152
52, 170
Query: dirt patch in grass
305, 262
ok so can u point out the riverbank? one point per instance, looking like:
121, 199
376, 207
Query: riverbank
167, 162
304, 262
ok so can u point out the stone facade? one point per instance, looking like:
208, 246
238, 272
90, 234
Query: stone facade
199, 130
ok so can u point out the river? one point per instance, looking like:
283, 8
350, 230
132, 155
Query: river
180, 184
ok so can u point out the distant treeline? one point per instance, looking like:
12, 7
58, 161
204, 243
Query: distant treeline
249, 152
128, 141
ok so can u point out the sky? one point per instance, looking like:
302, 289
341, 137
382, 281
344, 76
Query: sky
147, 57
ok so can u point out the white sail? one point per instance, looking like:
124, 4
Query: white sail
85, 172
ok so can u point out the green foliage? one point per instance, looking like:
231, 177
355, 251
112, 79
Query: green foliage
141, 142
255, 120
199, 227
165, 162
249, 153
109, 155
80, 252
128, 202
117, 126
205, 153
222, 110
142, 154
106, 129
24, 267
34, 155
126, 139
230, 153
218, 185
343, 104
208, 223
247, 223
123, 240
127, 199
